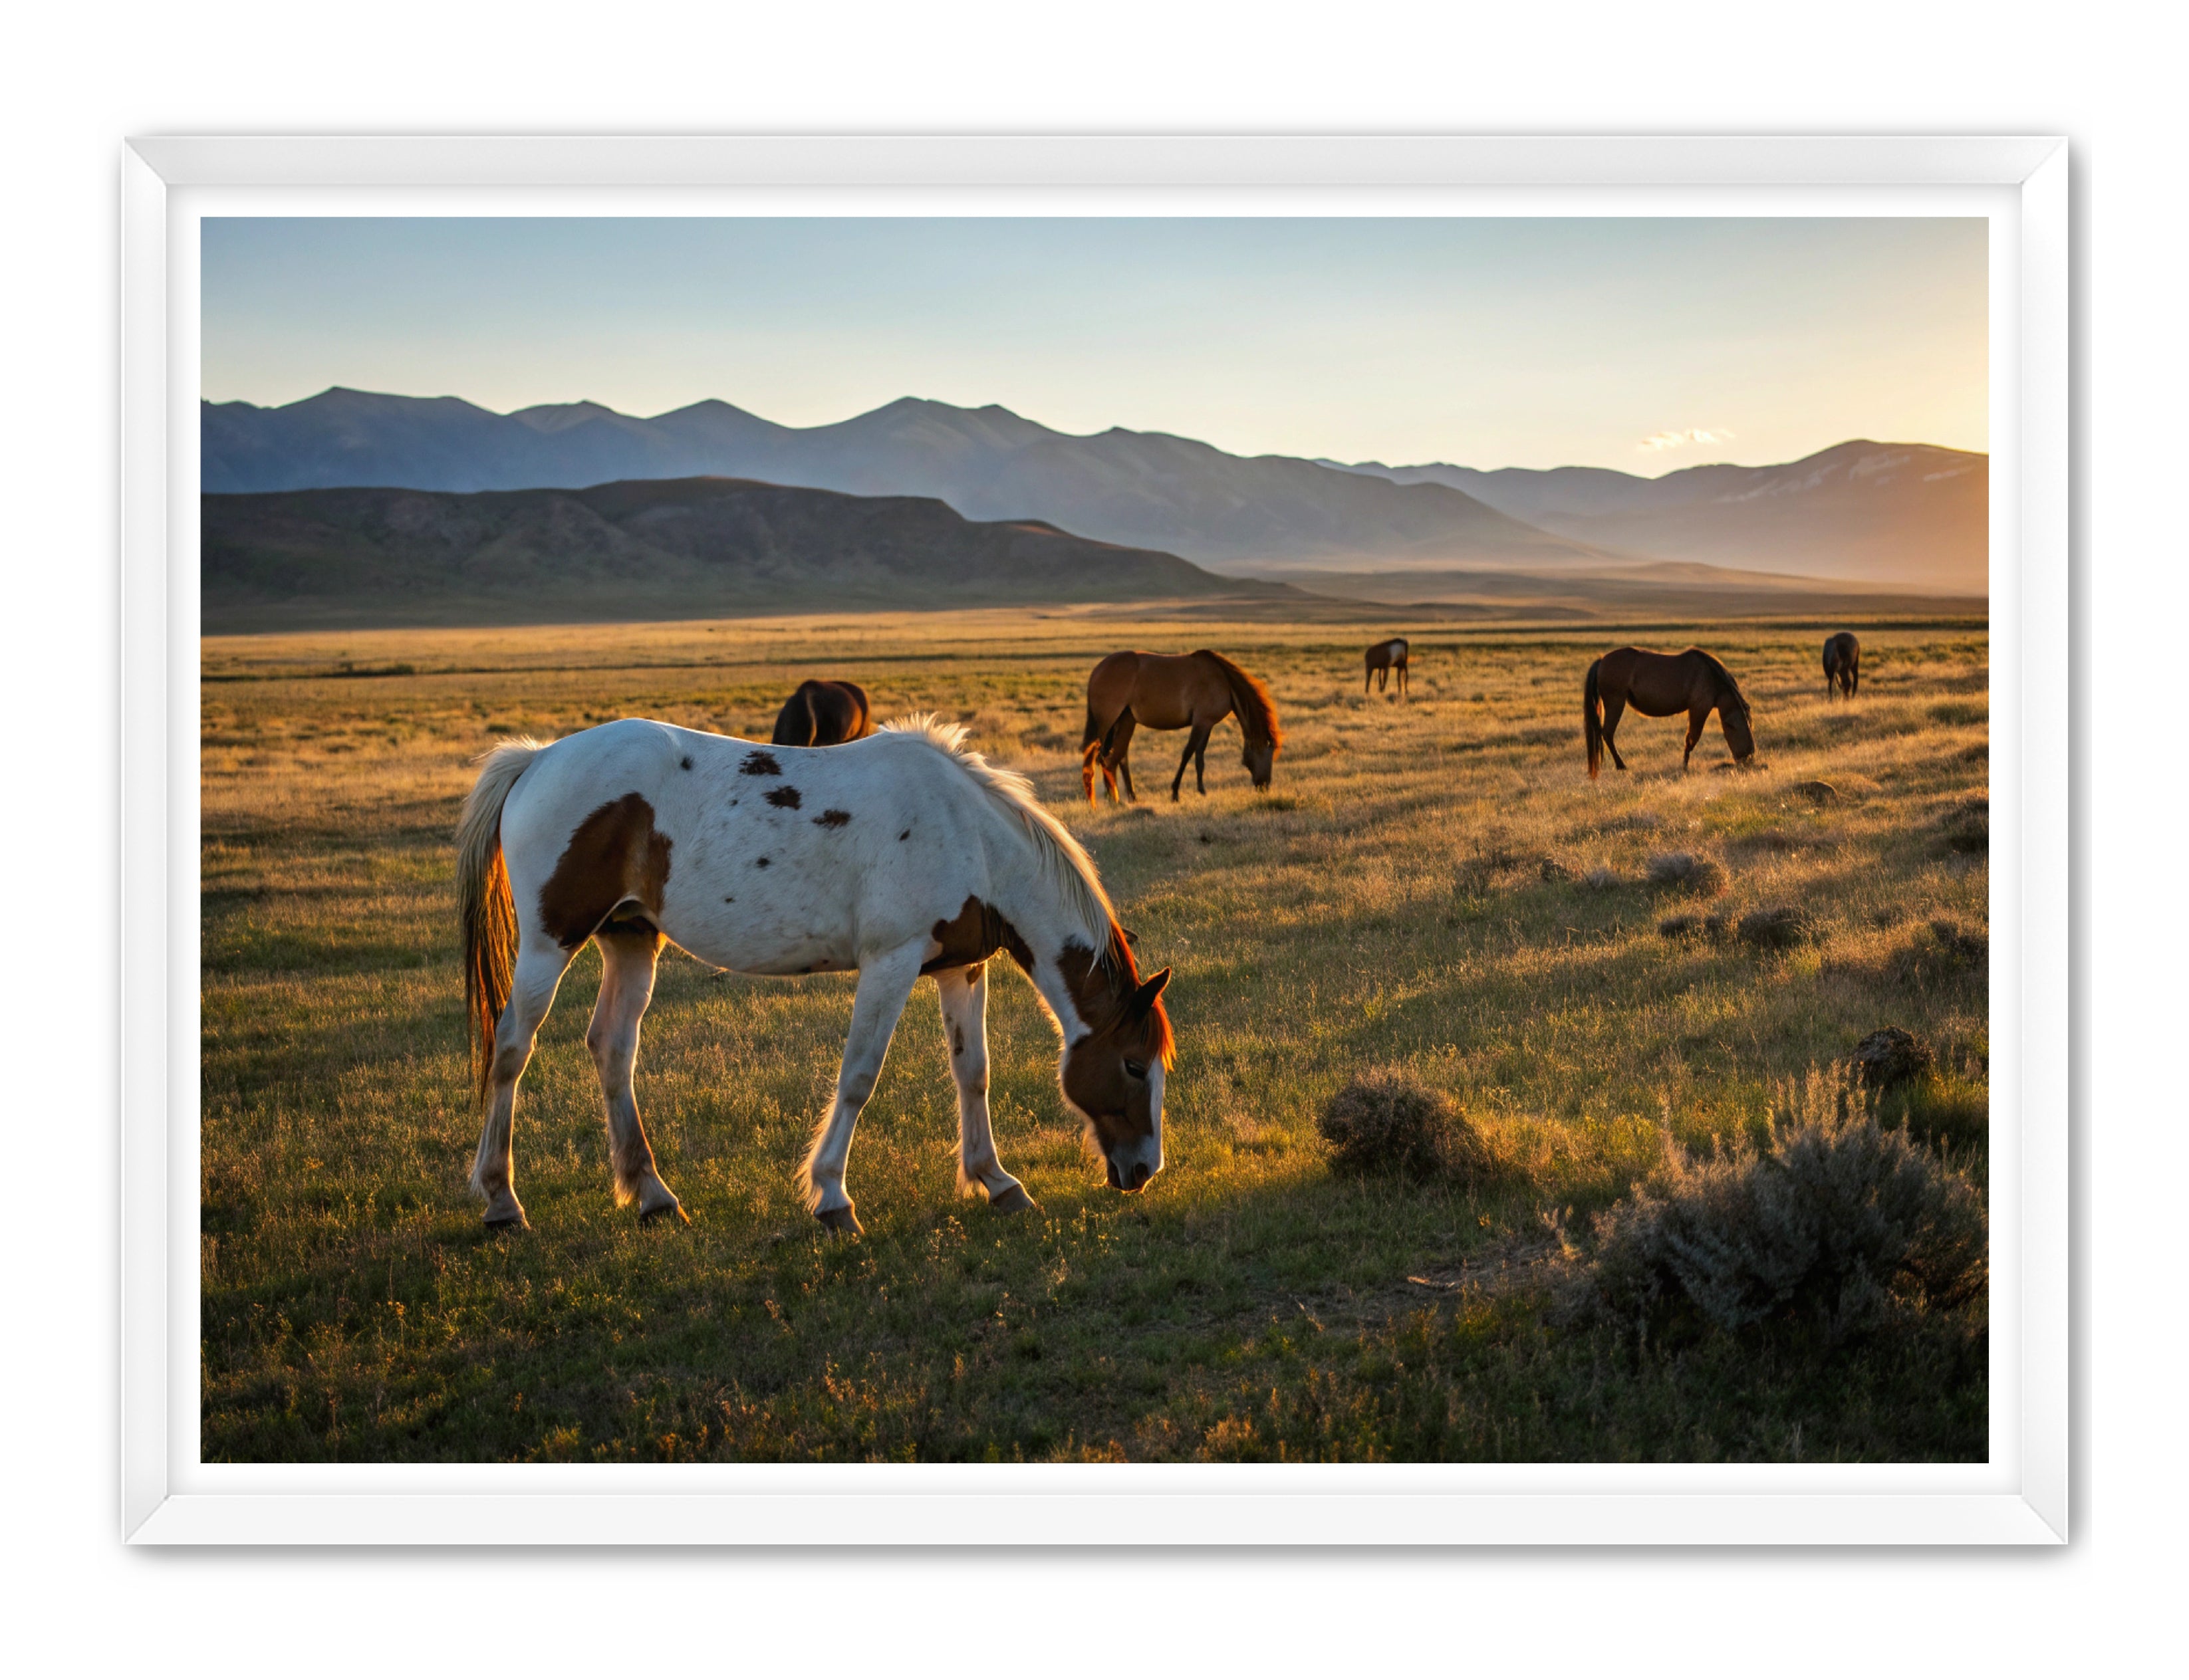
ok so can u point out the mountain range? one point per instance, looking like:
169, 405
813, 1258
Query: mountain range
1909, 516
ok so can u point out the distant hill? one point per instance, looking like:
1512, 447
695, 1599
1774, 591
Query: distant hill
649, 549
1140, 489
1912, 514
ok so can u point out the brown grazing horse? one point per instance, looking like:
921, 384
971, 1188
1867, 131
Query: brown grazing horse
1842, 664
823, 714
1384, 658
1195, 691
1657, 685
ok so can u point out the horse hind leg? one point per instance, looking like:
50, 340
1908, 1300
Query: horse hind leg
629, 954
1117, 754
540, 966
1614, 710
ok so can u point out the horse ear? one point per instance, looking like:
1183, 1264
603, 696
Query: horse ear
1131, 938
1145, 994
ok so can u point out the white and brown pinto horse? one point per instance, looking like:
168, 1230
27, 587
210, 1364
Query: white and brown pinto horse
900, 855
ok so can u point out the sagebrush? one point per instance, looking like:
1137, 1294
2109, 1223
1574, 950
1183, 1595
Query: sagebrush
1837, 1217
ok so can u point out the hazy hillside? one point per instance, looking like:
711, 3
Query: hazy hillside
1145, 489
1909, 514
649, 549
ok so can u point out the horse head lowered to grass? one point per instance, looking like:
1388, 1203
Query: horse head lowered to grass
900, 855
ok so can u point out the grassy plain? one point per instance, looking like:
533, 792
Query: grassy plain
1435, 885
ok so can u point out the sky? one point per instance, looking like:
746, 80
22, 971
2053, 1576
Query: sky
1645, 344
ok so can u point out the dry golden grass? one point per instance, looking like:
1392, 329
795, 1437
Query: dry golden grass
1434, 886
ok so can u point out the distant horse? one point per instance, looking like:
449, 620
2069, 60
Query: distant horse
1658, 685
1842, 664
1384, 658
823, 714
1195, 691
900, 855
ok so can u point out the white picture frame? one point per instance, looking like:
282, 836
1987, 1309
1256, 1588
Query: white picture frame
2021, 1496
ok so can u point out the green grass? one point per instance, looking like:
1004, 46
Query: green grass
1388, 906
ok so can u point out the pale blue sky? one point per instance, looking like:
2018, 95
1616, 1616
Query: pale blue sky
1487, 342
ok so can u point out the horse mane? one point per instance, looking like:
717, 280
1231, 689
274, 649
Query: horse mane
1063, 859
1258, 712
1725, 678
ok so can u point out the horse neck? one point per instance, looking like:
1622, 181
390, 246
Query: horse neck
1029, 896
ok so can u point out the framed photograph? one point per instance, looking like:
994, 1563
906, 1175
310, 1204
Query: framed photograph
1095, 839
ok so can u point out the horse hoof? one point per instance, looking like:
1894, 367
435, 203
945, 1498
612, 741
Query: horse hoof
841, 1221
516, 1221
1014, 1200
646, 1216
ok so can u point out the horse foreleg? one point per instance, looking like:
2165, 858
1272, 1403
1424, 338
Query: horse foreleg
1200, 761
1195, 741
965, 995
540, 968
1402, 679
885, 984
628, 957
1695, 721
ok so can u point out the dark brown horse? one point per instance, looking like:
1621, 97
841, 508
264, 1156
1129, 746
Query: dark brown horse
1384, 658
823, 714
1842, 664
1195, 691
1658, 685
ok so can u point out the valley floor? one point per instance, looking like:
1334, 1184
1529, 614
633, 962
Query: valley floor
1435, 885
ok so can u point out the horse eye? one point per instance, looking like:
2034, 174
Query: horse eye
1138, 1070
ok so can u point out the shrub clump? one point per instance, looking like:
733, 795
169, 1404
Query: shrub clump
1387, 1121
1891, 1056
1779, 927
1837, 1219
1941, 950
1967, 826
1688, 872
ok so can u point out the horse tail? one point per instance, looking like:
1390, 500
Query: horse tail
1591, 720
485, 905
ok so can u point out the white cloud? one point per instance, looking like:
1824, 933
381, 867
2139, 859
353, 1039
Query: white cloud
1674, 440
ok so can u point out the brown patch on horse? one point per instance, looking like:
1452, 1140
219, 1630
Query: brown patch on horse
833, 818
615, 856
973, 936
759, 764
1125, 1020
784, 798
